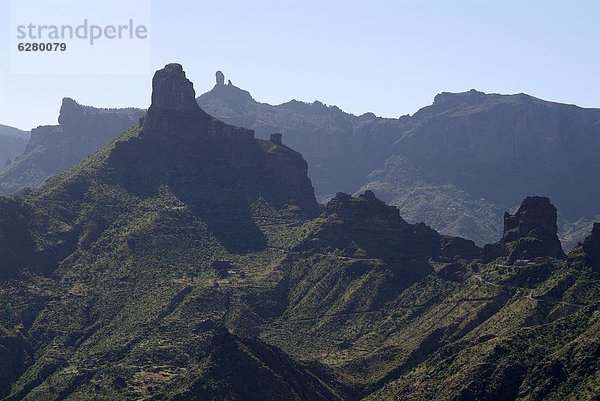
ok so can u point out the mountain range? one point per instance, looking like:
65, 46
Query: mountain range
189, 260
457, 164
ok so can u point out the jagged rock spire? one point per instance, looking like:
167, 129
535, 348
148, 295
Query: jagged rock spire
171, 90
173, 101
220, 78
529, 233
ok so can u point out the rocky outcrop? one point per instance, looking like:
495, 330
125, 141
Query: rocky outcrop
214, 160
587, 253
529, 233
220, 78
172, 91
364, 225
364, 209
591, 246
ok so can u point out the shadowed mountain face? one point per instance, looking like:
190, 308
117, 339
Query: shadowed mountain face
456, 165
82, 130
12, 144
187, 260
529, 233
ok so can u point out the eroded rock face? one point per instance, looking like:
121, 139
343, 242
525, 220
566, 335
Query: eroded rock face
365, 209
171, 90
220, 78
364, 225
213, 159
591, 246
529, 233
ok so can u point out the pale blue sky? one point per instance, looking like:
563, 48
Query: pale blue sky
388, 57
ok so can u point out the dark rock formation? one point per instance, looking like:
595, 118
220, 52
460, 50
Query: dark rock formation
210, 153
276, 138
529, 233
220, 78
364, 224
171, 90
587, 253
173, 108
364, 209
591, 246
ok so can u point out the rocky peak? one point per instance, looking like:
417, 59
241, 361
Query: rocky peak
363, 225
171, 90
220, 78
70, 112
226, 97
591, 245
590, 248
364, 210
529, 233
536, 214
587, 253
174, 106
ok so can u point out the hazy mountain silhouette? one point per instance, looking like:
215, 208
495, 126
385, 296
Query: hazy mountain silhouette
12, 143
457, 164
50, 150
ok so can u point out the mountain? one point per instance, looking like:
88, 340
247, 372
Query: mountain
457, 164
82, 130
188, 260
336, 145
12, 143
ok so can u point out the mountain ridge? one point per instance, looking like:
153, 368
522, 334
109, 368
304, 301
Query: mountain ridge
480, 153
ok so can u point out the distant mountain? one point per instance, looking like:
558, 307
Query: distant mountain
188, 260
12, 143
457, 164
341, 149
82, 130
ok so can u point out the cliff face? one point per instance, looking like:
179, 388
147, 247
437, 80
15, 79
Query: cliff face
82, 130
529, 233
216, 163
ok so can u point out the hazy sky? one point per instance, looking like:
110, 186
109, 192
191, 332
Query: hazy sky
388, 57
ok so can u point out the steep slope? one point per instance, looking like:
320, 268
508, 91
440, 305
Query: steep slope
456, 165
82, 130
421, 328
12, 143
